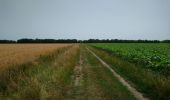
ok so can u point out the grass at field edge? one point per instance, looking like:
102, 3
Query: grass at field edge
153, 86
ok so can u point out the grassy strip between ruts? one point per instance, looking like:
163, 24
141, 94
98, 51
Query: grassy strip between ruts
99, 83
46, 78
154, 86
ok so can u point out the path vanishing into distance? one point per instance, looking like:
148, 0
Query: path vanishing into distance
137, 94
80, 78
71, 73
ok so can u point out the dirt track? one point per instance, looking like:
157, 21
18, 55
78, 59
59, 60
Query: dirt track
137, 94
78, 73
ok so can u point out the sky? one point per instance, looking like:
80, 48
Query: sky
85, 19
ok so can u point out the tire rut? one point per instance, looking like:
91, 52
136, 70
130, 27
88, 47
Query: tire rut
78, 73
137, 94
77, 78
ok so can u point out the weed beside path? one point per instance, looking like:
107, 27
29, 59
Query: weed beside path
154, 86
47, 78
98, 82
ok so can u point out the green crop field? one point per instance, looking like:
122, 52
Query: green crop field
80, 71
151, 55
145, 65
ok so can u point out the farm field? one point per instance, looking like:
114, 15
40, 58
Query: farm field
154, 56
85, 50
80, 72
11, 54
132, 61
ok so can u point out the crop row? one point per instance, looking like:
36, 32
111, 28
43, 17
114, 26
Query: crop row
154, 56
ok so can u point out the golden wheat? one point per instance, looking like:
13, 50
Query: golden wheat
12, 54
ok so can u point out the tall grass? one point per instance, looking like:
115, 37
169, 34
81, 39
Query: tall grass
99, 82
48, 77
154, 86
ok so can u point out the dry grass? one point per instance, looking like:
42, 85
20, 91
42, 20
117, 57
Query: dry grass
48, 78
12, 54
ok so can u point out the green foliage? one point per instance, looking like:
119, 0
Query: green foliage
154, 86
100, 83
152, 56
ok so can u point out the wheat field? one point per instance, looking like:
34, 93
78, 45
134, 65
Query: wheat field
12, 54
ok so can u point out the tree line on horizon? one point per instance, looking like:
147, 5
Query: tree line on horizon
25, 40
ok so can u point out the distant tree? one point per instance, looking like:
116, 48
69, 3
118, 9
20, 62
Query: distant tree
166, 41
47, 41
119, 41
25, 40
7, 41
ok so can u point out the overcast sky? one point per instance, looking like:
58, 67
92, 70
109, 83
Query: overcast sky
84, 19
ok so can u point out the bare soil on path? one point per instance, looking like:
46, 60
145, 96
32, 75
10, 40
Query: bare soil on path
92, 81
137, 94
